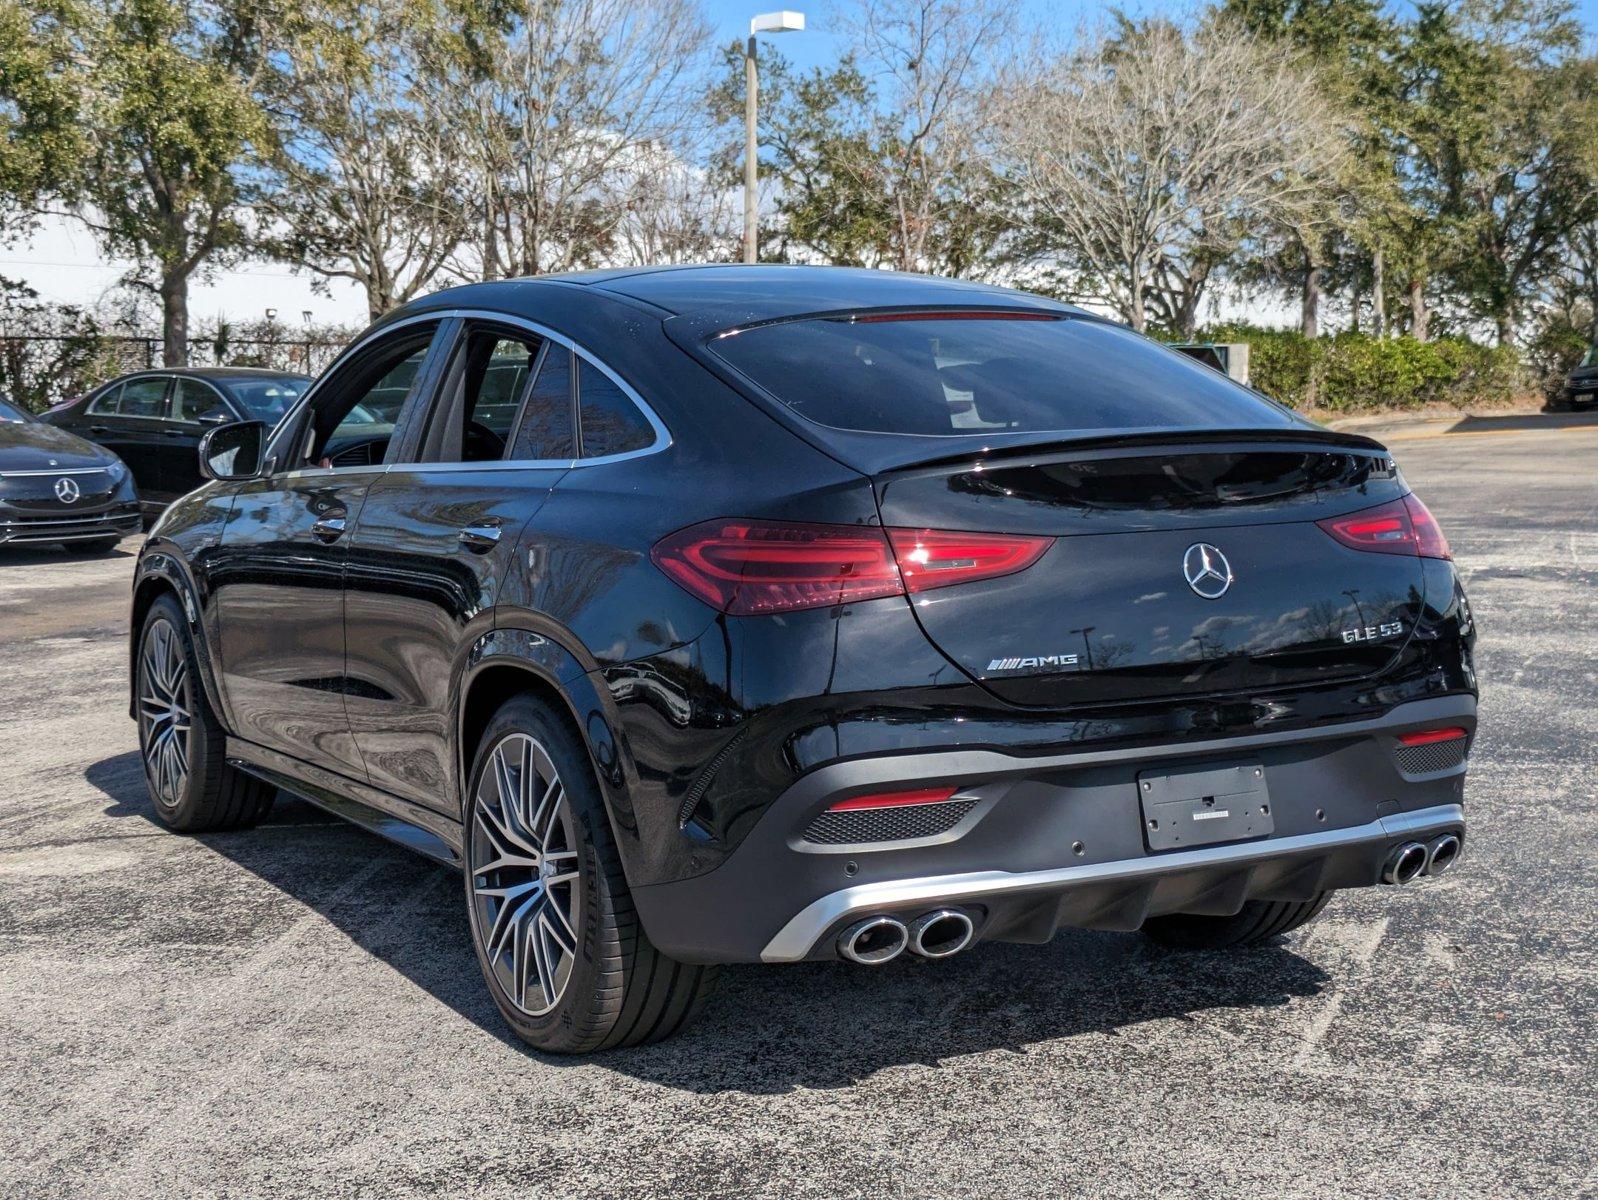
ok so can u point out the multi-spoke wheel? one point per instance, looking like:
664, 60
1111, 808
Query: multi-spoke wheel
524, 874
165, 722
556, 934
180, 740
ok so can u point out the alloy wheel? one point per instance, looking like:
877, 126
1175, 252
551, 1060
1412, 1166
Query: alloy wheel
524, 879
165, 711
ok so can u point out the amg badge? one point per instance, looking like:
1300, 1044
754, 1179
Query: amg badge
1040, 662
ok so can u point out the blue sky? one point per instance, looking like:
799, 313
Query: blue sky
816, 46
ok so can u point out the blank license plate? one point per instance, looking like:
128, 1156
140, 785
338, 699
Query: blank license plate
1200, 806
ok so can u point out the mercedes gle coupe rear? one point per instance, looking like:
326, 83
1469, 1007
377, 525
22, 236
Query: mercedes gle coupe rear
709, 615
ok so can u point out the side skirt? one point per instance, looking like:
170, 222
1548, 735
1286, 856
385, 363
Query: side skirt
430, 834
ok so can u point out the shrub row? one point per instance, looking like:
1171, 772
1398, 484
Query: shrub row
1353, 372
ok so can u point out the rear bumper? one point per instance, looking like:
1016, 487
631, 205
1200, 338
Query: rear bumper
1058, 840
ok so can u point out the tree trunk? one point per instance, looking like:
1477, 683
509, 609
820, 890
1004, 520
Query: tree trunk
1506, 328
1419, 317
174, 292
1309, 319
1138, 316
1379, 293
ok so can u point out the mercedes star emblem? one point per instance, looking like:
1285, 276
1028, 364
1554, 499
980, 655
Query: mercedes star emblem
1206, 570
66, 490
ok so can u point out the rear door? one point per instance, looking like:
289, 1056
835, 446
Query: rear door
278, 575
195, 407
437, 535
129, 420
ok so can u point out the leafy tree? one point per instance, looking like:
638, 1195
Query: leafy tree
362, 185
1506, 141
41, 141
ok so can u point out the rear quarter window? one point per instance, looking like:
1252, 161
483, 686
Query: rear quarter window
972, 374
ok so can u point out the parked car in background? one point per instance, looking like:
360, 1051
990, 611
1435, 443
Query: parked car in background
56, 487
1581, 385
765, 614
153, 420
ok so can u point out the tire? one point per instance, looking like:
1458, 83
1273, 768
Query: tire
1259, 921
191, 784
535, 809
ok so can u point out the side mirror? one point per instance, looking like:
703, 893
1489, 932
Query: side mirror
233, 452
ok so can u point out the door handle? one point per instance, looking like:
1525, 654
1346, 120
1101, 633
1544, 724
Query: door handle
101, 429
176, 433
328, 529
480, 538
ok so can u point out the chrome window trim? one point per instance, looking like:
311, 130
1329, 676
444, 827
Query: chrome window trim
662, 440
56, 471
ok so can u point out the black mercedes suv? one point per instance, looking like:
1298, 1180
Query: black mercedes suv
760, 613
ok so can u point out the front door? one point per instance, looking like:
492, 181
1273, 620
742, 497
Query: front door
195, 407
279, 571
129, 422
434, 541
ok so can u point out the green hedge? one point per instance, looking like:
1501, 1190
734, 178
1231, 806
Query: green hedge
1353, 372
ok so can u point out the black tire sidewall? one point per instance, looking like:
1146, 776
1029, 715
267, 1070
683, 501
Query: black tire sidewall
185, 812
574, 1024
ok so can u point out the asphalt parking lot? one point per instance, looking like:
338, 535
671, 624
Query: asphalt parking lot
295, 1010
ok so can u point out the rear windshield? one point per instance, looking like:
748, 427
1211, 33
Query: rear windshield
952, 376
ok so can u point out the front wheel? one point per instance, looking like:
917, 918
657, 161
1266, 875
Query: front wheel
1258, 921
183, 745
553, 923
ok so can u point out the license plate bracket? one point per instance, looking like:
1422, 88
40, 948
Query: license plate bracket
1204, 805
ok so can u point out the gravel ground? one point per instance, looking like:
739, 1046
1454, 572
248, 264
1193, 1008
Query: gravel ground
295, 1011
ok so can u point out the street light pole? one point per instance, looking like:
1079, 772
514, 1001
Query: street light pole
777, 22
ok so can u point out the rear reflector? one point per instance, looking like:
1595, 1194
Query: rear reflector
1425, 737
1404, 526
746, 568
894, 799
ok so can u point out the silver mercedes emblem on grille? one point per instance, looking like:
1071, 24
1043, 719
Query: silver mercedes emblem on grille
1206, 570
66, 490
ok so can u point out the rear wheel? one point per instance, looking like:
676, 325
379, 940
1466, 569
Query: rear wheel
1260, 920
182, 743
553, 922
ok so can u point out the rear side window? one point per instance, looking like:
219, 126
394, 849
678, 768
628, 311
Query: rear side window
545, 431
611, 422
105, 404
143, 398
948, 376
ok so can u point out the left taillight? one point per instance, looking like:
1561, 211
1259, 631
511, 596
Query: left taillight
748, 568
1404, 526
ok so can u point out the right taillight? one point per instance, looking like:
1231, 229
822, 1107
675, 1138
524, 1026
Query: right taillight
747, 568
1404, 526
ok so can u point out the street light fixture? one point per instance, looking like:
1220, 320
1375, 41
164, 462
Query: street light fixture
777, 22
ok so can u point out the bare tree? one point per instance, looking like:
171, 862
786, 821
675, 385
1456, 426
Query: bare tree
546, 105
366, 188
1150, 158
932, 63
673, 211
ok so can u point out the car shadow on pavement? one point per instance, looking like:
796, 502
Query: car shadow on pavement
45, 555
768, 1029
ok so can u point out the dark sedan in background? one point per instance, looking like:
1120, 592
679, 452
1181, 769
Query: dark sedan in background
153, 420
1581, 385
55, 487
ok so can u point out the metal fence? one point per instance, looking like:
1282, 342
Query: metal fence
37, 371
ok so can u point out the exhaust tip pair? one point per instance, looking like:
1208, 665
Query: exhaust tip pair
1411, 860
942, 933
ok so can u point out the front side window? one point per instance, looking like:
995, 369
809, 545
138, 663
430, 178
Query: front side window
267, 399
143, 398
356, 408
954, 374
611, 422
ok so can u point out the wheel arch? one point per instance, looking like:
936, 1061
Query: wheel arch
162, 574
509, 662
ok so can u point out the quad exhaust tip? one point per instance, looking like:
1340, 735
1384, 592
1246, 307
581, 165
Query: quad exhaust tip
941, 934
1442, 853
1405, 863
874, 941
